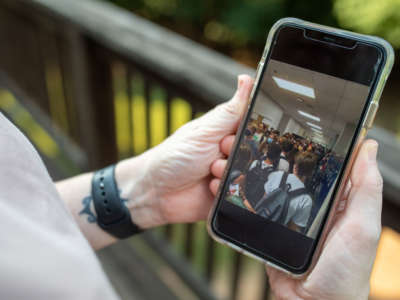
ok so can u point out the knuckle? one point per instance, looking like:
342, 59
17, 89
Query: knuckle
372, 181
230, 107
373, 234
379, 181
368, 233
363, 233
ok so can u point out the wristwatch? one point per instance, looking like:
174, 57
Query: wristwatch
113, 215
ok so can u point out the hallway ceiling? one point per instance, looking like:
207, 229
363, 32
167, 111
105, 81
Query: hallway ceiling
336, 102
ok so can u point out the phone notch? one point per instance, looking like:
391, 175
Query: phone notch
324, 37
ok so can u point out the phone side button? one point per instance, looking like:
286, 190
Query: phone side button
258, 74
259, 71
371, 115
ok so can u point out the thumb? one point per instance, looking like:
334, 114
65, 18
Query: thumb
240, 99
224, 119
365, 199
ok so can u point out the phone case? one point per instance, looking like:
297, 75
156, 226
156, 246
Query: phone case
360, 135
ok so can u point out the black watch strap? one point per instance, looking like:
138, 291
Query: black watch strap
112, 214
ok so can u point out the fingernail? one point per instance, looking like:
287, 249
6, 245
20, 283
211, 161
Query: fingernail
240, 82
372, 151
242, 92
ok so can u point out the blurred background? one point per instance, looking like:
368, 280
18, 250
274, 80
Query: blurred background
238, 28
91, 82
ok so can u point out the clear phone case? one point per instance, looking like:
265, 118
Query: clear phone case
366, 124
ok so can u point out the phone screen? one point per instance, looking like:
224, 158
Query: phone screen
301, 127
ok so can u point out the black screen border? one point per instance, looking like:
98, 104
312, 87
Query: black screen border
363, 116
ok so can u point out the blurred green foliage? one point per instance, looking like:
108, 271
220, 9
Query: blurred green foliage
239, 27
374, 17
235, 27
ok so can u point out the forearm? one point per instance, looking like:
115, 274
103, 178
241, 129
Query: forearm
75, 192
133, 186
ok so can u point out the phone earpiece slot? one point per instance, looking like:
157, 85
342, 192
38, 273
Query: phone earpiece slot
323, 37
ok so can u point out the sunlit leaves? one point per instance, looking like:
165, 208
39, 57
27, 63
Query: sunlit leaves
380, 18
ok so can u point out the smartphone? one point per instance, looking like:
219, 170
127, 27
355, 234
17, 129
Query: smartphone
315, 95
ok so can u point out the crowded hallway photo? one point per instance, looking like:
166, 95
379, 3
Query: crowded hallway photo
294, 145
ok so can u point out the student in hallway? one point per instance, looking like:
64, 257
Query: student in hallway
286, 147
300, 205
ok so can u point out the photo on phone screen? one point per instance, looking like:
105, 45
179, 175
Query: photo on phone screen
294, 144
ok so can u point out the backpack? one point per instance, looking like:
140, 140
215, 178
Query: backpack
275, 205
255, 180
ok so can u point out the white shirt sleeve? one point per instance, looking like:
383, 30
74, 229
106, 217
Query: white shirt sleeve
273, 182
253, 164
283, 165
303, 211
43, 254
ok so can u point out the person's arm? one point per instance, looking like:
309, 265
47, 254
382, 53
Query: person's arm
169, 183
131, 181
248, 205
295, 227
242, 194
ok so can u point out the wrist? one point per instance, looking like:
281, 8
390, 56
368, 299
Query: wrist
136, 188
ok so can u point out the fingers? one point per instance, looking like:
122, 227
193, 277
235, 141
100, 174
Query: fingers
226, 144
242, 95
224, 119
222, 123
365, 197
218, 167
214, 185
234, 108
342, 204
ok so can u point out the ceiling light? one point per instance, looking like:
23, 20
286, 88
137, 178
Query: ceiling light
310, 116
294, 87
314, 126
316, 130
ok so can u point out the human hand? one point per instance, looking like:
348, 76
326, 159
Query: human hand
170, 183
344, 267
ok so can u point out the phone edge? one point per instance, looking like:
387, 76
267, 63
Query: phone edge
365, 126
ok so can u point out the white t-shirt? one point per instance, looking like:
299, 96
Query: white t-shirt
43, 254
263, 164
283, 164
300, 206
